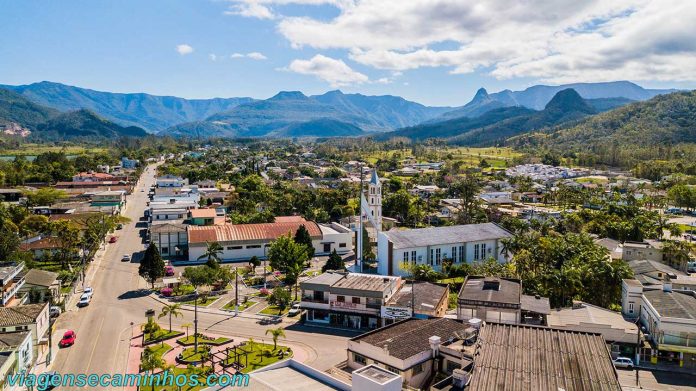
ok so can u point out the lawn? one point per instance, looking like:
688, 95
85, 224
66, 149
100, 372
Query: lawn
256, 358
36, 149
161, 335
274, 310
160, 349
201, 303
242, 305
179, 371
191, 354
203, 340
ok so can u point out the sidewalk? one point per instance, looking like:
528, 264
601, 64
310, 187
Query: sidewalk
216, 311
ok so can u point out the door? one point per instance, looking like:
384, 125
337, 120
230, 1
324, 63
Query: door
327, 247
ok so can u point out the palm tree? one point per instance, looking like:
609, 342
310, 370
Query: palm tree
150, 361
170, 310
186, 326
276, 333
212, 254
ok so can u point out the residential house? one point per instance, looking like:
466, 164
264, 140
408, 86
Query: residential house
459, 243
203, 217
128, 163
206, 184
29, 317
44, 283
12, 280
41, 246
171, 181
10, 195
16, 348
500, 300
635, 251
425, 191
115, 198
497, 198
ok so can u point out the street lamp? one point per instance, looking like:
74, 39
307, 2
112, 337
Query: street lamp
195, 321
236, 291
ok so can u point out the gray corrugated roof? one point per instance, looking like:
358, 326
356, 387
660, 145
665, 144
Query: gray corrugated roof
40, 277
512, 358
426, 297
12, 340
672, 304
444, 235
508, 292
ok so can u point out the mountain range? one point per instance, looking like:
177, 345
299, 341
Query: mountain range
293, 114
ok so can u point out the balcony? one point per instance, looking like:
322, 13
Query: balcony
313, 300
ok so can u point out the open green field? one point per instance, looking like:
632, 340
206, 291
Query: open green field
496, 157
36, 149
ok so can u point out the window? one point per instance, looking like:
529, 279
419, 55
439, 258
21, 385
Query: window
342, 245
356, 300
432, 256
234, 247
359, 359
392, 369
405, 256
476, 251
165, 250
630, 308
418, 368
454, 254
437, 257
413, 257
341, 299
254, 246
483, 250
461, 254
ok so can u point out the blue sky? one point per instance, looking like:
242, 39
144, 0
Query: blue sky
435, 52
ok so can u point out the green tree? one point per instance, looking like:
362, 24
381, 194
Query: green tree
198, 276
280, 298
335, 262
289, 257
45, 196
170, 310
302, 237
151, 266
276, 333
212, 254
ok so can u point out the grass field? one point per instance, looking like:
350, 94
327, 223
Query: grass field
242, 306
36, 149
260, 356
274, 310
201, 303
190, 340
496, 157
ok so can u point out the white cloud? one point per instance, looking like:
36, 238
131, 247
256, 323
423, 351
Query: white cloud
253, 55
250, 9
558, 41
331, 70
212, 57
256, 56
184, 49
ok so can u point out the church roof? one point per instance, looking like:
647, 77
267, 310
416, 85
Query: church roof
375, 179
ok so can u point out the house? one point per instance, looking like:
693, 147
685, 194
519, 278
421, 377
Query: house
350, 300
170, 238
206, 184
619, 333
668, 318
176, 194
16, 353
521, 357
29, 317
46, 284
500, 300
171, 181
95, 177
419, 299
12, 280
650, 272
459, 243
41, 246
240, 242
202, 217
415, 349
168, 213
633, 251
116, 198
128, 163
10, 195
425, 191
497, 198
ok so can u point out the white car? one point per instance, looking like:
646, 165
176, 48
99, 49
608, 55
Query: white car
54, 311
294, 310
88, 291
623, 362
84, 300
126, 258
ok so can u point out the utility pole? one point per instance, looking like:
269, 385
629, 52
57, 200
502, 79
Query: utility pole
195, 321
236, 291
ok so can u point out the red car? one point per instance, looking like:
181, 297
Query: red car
113, 239
168, 271
68, 339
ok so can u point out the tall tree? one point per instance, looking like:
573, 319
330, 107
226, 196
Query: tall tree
151, 266
170, 310
275, 334
212, 254
289, 257
335, 262
302, 237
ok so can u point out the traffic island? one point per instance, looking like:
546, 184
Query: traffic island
250, 356
203, 340
193, 356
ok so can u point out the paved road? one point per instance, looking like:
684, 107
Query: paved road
656, 380
104, 327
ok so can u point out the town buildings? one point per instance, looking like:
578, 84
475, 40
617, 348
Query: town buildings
11, 280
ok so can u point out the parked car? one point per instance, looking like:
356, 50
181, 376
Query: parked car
623, 362
168, 271
674, 211
126, 258
84, 300
119, 226
294, 310
113, 239
68, 339
88, 291
54, 311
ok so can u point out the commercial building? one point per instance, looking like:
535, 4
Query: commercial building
500, 300
115, 198
430, 246
668, 318
170, 238
171, 181
11, 280
241, 242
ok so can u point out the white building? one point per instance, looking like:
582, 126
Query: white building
171, 181
374, 199
460, 243
240, 242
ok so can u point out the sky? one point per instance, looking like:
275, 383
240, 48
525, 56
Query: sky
436, 52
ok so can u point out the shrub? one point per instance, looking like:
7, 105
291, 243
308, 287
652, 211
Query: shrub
167, 292
264, 292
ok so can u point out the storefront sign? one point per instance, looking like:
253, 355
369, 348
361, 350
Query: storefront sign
395, 312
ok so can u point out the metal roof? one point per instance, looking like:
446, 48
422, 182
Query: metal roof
245, 232
475, 288
528, 358
674, 304
423, 237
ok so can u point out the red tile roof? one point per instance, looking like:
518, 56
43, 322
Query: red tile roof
41, 244
241, 232
202, 213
